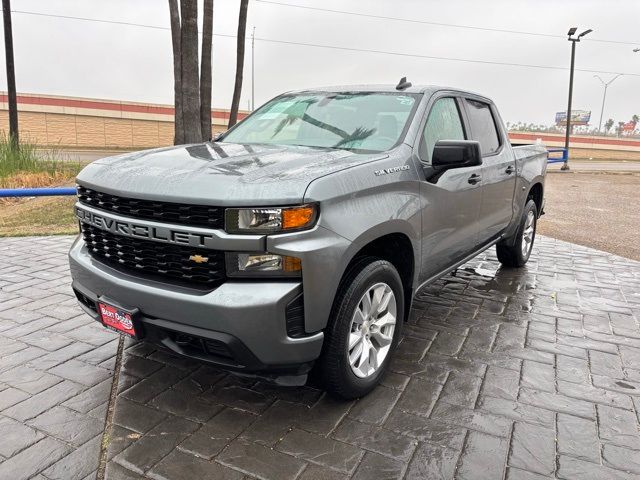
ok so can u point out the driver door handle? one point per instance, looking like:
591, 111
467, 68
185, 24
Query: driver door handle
509, 170
475, 178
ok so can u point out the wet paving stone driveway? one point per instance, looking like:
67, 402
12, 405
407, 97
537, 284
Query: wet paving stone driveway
517, 374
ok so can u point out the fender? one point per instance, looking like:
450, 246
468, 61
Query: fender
381, 230
521, 194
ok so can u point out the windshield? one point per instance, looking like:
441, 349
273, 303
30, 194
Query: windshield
369, 121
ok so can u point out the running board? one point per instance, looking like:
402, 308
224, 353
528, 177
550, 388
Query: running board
437, 276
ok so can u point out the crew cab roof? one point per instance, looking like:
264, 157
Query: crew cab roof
387, 88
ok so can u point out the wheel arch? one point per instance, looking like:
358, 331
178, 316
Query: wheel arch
536, 193
397, 248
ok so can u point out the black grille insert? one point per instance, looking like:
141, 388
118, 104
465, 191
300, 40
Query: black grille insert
157, 260
169, 212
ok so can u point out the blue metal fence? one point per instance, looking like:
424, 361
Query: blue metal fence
555, 159
36, 192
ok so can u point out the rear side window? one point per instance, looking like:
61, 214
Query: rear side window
483, 126
443, 124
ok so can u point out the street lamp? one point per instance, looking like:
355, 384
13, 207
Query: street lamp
604, 96
573, 41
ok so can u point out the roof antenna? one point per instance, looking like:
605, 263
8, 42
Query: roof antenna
403, 84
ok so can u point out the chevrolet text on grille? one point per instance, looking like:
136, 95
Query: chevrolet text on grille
129, 229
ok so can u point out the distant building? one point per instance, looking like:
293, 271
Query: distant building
71, 122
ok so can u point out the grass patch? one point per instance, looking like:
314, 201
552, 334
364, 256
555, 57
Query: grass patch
38, 216
29, 166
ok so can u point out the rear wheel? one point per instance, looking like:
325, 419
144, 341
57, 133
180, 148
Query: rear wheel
515, 252
367, 318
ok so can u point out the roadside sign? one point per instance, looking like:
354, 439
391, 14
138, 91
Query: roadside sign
578, 117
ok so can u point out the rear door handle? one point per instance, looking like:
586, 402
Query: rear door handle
475, 178
509, 170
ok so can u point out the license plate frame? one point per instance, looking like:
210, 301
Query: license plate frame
118, 319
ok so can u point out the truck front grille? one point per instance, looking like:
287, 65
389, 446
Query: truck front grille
179, 213
159, 261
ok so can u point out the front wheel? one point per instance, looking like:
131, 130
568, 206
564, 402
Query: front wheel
515, 252
366, 322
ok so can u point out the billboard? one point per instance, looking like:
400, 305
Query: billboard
578, 117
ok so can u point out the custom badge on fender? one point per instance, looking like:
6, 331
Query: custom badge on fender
387, 171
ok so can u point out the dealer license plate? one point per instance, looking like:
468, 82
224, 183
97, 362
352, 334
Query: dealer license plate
117, 319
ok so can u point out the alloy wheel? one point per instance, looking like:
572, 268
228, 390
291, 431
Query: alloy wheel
527, 233
371, 332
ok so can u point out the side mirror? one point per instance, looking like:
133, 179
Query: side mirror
455, 154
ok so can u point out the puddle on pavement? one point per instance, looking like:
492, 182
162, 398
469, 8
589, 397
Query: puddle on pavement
625, 385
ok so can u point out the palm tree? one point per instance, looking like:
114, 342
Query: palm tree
205, 71
11, 75
189, 65
192, 93
242, 27
608, 125
178, 137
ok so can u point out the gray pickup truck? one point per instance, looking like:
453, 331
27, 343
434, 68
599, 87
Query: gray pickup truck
297, 239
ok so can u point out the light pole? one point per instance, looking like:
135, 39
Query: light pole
573, 41
604, 96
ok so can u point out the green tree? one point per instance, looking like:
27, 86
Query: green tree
608, 125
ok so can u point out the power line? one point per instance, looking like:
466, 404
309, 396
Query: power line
438, 24
331, 47
85, 19
433, 57
100, 20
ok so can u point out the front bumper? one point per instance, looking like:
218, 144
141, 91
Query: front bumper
240, 325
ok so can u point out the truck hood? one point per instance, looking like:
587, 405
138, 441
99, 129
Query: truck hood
222, 174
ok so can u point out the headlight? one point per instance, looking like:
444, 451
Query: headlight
270, 220
262, 265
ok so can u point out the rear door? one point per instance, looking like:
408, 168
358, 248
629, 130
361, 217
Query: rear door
450, 203
498, 168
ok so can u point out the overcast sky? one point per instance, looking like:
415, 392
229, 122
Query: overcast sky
89, 59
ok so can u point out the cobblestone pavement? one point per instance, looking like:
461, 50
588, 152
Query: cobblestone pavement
517, 374
56, 366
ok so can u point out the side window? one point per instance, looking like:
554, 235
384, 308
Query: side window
443, 124
483, 126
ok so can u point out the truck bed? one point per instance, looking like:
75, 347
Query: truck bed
523, 151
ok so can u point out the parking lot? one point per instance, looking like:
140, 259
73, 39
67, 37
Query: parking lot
599, 210
517, 374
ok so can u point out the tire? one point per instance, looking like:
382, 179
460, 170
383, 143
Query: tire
515, 251
377, 279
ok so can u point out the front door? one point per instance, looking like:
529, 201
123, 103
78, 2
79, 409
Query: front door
450, 203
